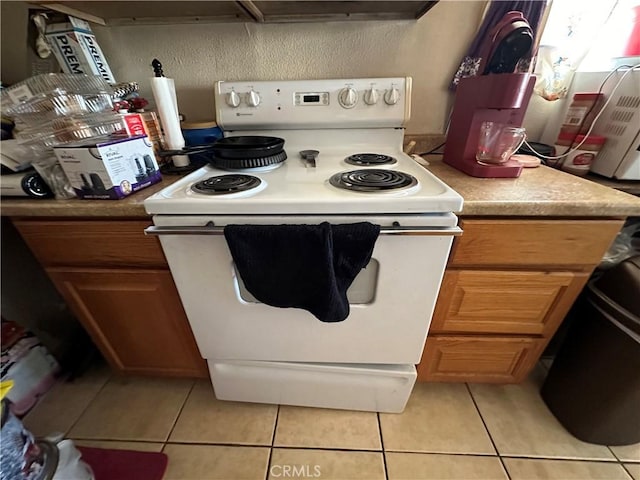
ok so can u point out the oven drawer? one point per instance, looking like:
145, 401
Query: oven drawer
533, 242
478, 301
373, 388
478, 359
87, 243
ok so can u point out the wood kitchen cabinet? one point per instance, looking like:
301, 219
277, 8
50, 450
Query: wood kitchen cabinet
117, 282
483, 359
508, 285
134, 316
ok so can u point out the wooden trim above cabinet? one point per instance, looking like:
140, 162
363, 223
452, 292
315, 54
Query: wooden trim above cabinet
505, 302
550, 244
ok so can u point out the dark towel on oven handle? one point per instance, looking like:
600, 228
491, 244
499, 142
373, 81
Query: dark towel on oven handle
302, 266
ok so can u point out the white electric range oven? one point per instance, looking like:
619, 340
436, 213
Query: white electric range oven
356, 172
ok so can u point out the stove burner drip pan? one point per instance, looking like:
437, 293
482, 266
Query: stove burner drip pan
370, 159
371, 180
226, 184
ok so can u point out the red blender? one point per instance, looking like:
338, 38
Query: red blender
496, 98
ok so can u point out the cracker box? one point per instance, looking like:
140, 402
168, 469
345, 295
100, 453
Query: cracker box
110, 168
77, 50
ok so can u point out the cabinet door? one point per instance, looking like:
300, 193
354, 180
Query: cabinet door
135, 317
532, 303
479, 359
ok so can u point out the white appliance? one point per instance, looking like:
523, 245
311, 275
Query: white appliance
24, 184
259, 353
619, 123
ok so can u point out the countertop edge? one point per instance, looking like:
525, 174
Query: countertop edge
540, 192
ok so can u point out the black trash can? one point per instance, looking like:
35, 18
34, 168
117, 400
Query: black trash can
593, 386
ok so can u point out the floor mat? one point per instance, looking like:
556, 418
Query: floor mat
124, 464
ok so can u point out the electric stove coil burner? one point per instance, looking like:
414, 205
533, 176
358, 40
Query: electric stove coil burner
370, 159
226, 184
372, 180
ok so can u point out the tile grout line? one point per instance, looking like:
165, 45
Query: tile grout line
384, 453
529, 457
261, 445
565, 459
119, 440
175, 421
624, 467
336, 449
273, 439
84, 410
504, 467
615, 456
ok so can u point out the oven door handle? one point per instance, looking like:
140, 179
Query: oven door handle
393, 230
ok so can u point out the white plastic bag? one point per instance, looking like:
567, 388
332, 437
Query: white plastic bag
70, 465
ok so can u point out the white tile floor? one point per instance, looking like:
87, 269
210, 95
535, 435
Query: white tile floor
448, 431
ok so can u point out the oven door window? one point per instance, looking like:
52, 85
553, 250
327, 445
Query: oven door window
361, 292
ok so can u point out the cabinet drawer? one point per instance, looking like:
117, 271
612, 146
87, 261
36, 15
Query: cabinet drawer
92, 243
533, 242
479, 301
478, 359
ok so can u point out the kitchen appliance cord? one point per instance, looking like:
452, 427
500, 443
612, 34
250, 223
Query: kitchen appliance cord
631, 69
433, 150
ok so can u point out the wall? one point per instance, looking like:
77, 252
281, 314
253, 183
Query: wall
13, 55
538, 116
197, 55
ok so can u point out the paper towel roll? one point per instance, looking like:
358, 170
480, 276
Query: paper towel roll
164, 93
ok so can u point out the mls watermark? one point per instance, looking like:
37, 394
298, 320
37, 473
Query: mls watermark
295, 471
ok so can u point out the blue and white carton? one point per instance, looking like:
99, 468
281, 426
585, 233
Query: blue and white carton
110, 168
77, 50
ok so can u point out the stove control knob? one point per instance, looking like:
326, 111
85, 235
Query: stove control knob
233, 99
371, 96
348, 97
391, 96
253, 99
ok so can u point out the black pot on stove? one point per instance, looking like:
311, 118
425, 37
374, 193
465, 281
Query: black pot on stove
243, 151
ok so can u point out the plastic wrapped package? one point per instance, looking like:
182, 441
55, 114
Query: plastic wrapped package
51, 172
626, 245
76, 128
52, 106
70, 128
35, 87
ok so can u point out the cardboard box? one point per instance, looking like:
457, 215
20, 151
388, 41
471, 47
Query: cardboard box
111, 168
145, 123
77, 50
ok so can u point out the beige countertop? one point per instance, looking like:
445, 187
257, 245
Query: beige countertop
539, 191
542, 191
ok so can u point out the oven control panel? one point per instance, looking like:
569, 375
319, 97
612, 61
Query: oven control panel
339, 103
